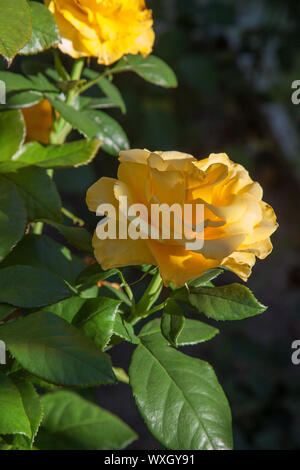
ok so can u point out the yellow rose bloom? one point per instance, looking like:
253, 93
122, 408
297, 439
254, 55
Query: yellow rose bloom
238, 224
38, 122
106, 29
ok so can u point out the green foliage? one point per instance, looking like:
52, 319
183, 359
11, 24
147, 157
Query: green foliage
13, 217
193, 332
69, 358
31, 405
232, 302
78, 237
73, 154
13, 418
109, 89
59, 314
94, 124
30, 287
5, 311
12, 133
38, 192
44, 30
152, 69
15, 27
172, 322
179, 397
97, 318
44, 253
80, 425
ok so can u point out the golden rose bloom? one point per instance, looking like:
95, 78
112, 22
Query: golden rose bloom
238, 224
106, 29
38, 121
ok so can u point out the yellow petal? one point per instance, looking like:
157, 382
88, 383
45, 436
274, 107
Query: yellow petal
119, 253
167, 188
177, 265
135, 176
221, 247
165, 161
265, 228
103, 29
102, 192
260, 249
240, 263
134, 155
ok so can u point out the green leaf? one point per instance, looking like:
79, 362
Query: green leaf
90, 293
92, 274
151, 68
172, 322
179, 397
208, 276
97, 318
41, 82
12, 133
13, 217
73, 423
108, 88
78, 237
124, 330
193, 332
29, 287
96, 103
31, 404
121, 375
45, 253
15, 82
21, 99
67, 155
109, 290
45, 32
13, 419
73, 154
39, 193
182, 293
232, 302
66, 309
56, 352
6, 310
92, 123
15, 27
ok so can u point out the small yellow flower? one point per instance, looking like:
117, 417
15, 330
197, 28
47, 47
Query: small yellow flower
38, 121
106, 29
238, 224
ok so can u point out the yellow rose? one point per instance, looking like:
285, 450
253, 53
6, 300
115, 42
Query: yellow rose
238, 224
106, 29
38, 121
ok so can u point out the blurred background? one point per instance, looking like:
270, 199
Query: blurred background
235, 61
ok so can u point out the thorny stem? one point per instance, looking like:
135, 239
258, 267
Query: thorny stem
61, 128
151, 294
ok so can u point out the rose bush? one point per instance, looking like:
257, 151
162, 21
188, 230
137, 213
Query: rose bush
60, 312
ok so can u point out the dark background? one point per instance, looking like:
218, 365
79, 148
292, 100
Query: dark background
235, 61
